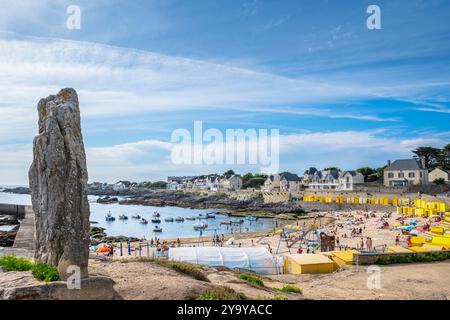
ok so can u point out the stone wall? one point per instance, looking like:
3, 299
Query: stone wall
13, 210
372, 258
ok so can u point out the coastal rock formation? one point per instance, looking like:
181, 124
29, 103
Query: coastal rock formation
58, 183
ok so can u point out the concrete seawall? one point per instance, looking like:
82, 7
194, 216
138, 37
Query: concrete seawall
24, 242
13, 210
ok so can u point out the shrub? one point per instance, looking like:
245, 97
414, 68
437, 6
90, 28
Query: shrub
252, 279
12, 263
221, 293
292, 289
207, 296
40, 271
45, 272
416, 257
189, 269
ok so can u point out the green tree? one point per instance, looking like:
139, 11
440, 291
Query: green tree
332, 168
432, 156
229, 173
159, 185
439, 181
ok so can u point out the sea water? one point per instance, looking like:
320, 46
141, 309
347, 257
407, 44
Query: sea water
171, 230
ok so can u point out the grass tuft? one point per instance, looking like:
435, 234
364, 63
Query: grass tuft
12, 263
40, 271
221, 293
291, 289
45, 272
255, 280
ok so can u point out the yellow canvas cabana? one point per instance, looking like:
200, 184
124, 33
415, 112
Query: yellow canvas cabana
432, 247
419, 249
308, 264
437, 230
343, 258
442, 241
398, 249
418, 241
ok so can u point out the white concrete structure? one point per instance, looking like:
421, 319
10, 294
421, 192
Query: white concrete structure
439, 173
348, 179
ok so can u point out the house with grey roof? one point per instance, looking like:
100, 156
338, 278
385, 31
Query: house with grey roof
324, 180
282, 182
405, 172
348, 180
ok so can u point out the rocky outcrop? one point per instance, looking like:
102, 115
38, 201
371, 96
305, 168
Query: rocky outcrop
58, 182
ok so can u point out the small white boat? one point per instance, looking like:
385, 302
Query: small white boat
156, 220
143, 221
136, 216
157, 229
168, 219
123, 217
156, 214
179, 219
190, 218
200, 226
210, 216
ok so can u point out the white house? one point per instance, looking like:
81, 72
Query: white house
120, 186
439, 173
324, 180
348, 179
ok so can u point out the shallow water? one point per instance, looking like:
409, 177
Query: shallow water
171, 230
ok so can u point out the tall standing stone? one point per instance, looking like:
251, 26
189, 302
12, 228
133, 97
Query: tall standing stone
58, 182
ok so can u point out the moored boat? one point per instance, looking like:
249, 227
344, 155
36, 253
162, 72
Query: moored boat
179, 219
190, 218
143, 221
109, 217
157, 229
123, 217
156, 220
168, 219
200, 226
156, 214
136, 216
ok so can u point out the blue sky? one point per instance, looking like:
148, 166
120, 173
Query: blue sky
340, 94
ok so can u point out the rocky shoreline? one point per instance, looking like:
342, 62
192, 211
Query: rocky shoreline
219, 201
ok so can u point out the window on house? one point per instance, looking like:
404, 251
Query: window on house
390, 175
411, 175
401, 175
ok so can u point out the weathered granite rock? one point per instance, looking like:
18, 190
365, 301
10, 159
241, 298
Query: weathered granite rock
58, 182
22, 286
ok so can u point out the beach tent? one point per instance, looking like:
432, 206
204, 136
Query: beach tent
255, 259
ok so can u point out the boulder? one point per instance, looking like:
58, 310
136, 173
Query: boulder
58, 183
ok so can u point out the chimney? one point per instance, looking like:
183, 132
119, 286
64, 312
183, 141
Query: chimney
422, 162
389, 163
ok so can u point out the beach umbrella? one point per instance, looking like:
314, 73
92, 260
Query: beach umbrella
420, 229
413, 223
414, 232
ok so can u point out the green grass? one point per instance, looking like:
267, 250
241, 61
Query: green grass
416, 257
45, 272
291, 289
12, 263
40, 271
221, 293
252, 279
